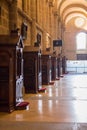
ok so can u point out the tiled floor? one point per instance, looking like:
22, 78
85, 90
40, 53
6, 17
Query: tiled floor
62, 107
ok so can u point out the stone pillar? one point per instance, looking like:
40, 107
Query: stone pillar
34, 32
53, 30
25, 5
62, 37
13, 15
59, 28
50, 20
47, 18
34, 18
40, 12
55, 24
34, 9
44, 41
43, 15
28, 7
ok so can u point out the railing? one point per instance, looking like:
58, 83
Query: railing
77, 66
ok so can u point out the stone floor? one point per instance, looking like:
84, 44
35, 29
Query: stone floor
62, 107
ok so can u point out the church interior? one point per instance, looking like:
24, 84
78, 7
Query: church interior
43, 64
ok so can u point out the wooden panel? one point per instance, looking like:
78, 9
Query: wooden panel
46, 69
64, 65
4, 81
58, 66
54, 68
11, 66
4, 74
32, 72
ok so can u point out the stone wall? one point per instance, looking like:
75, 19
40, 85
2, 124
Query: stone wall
4, 17
38, 15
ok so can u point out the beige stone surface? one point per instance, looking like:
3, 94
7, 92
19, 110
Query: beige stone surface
62, 107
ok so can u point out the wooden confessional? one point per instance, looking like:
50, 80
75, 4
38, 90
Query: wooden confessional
46, 69
11, 71
54, 67
32, 69
64, 65
58, 67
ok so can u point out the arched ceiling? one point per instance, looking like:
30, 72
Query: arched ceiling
68, 9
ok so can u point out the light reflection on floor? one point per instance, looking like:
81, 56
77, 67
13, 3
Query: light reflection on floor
63, 102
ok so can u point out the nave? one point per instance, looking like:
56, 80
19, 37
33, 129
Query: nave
63, 106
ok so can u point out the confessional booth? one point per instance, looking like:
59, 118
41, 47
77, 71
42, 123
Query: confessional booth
32, 69
58, 67
64, 65
58, 44
46, 69
11, 71
54, 67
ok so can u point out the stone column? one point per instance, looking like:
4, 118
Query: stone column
13, 15
34, 32
50, 19
25, 5
34, 16
44, 41
38, 11
34, 9
55, 24
43, 14
47, 17
45, 20
28, 7
59, 28
62, 37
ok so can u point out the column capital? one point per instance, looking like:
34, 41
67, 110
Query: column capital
51, 2
56, 13
10, 1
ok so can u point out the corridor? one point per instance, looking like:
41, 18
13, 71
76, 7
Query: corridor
62, 107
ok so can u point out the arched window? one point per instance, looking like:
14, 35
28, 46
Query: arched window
81, 41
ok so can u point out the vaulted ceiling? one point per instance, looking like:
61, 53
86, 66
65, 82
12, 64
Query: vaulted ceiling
68, 9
